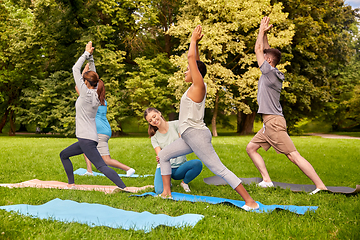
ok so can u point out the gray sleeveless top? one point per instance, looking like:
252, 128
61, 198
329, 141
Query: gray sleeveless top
191, 113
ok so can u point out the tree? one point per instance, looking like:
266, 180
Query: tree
321, 49
62, 30
19, 58
148, 86
52, 105
230, 29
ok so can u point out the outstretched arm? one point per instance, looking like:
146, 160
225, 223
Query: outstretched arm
197, 90
262, 41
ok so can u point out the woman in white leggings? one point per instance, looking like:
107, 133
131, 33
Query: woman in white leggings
195, 136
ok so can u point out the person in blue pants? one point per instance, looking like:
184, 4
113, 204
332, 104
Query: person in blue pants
163, 133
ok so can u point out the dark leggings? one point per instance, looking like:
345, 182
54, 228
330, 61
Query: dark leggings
89, 148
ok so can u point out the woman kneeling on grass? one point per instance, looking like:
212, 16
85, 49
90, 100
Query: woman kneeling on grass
86, 107
195, 136
163, 133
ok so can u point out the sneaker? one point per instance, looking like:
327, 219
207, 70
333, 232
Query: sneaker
88, 174
247, 208
266, 184
185, 187
73, 186
315, 191
130, 172
117, 190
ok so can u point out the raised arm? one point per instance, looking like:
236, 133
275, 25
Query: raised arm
262, 41
77, 67
197, 49
91, 64
197, 91
86, 68
266, 42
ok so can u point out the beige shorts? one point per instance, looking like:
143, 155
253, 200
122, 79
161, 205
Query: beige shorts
103, 146
274, 135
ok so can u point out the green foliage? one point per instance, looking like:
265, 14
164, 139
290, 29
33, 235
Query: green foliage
230, 31
51, 103
148, 86
41, 40
19, 57
321, 50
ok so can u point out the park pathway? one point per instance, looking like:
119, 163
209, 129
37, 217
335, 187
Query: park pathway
325, 135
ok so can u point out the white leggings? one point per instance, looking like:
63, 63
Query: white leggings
199, 142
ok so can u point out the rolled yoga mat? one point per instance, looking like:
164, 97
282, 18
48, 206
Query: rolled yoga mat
94, 214
215, 200
36, 183
216, 180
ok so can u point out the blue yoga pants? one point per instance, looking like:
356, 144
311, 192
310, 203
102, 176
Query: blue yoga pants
187, 171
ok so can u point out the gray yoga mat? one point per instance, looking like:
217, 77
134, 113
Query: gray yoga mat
216, 180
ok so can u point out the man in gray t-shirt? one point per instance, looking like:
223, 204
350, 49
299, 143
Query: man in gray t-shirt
274, 133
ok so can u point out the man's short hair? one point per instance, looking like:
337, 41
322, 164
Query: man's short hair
274, 54
202, 68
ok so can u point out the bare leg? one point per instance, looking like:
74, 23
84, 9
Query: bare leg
114, 163
166, 185
251, 150
88, 164
307, 168
245, 195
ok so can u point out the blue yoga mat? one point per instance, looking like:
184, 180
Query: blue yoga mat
102, 215
82, 171
215, 200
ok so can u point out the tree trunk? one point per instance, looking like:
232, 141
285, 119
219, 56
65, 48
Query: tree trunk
172, 116
118, 133
238, 122
12, 123
4, 120
247, 123
213, 120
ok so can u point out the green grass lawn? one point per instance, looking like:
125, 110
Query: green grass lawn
335, 160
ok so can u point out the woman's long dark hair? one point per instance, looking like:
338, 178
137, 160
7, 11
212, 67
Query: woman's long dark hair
152, 129
93, 78
101, 92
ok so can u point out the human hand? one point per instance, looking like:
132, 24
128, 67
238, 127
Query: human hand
158, 159
89, 48
264, 24
196, 35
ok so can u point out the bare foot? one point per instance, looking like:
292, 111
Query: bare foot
165, 195
252, 204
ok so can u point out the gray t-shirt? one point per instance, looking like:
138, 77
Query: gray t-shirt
162, 140
191, 113
269, 89
87, 103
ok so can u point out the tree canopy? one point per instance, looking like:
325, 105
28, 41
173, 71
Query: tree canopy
140, 54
